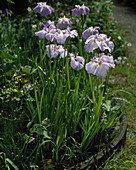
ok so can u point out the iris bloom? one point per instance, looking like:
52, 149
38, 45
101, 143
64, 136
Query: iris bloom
54, 50
72, 33
98, 41
43, 9
80, 10
77, 62
48, 31
63, 22
50, 24
99, 66
90, 31
61, 36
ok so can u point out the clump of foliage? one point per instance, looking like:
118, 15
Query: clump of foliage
54, 84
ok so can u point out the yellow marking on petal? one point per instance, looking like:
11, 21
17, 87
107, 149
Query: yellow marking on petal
25, 80
99, 42
16, 82
100, 65
94, 63
92, 42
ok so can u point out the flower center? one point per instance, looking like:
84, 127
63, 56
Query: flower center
43, 4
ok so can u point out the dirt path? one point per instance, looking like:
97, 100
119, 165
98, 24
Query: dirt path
127, 16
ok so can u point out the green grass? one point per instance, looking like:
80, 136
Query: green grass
123, 77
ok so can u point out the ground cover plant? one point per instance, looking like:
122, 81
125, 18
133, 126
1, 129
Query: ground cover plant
54, 84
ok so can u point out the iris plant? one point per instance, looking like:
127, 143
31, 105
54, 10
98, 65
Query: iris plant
98, 41
52, 33
90, 31
54, 50
48, 31
80, 10
43, 9
77, 62
99, 66
65, 93
63, 22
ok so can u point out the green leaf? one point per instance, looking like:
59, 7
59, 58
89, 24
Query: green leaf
107, 105
4, 55
26, 69
12, 164
28, 139
40, 130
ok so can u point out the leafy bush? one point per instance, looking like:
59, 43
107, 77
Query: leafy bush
60, 97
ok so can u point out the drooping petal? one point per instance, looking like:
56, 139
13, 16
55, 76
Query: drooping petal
41, 34
60, 37
77, 62
99, 66
63, 22
91, 67
43, 8
80, 10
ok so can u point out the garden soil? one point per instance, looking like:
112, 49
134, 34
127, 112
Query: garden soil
127, 17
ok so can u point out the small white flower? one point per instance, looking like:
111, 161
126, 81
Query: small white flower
118, 62
29, 9
115, 60
34, 26
119, 37
129, 44
119, 58
40, 23
125, 58
123, 62
77, 20
122, 45
128, 64
58, 3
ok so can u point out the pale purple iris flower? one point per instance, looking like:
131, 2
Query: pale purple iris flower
51, 33
54, 50
48, 31
50, 24
72, 33
43, 9
90, 31
99, 66
80, 10
62, 35
63, 22
98, 41
42, 33
77, 62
